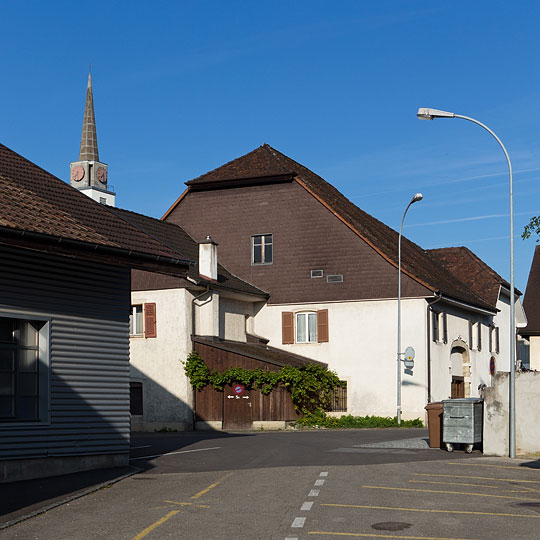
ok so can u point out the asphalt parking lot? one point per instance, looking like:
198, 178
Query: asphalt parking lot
284, 486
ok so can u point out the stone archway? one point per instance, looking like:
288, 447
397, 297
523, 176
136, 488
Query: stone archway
460, 369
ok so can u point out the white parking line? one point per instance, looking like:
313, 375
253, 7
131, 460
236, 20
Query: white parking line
319, 482
173, 453
298, 522
306, 506
314, 493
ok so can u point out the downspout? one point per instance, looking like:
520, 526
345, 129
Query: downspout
428, 333
193, 409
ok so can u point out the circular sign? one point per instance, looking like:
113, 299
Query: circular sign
492, 365
238, 389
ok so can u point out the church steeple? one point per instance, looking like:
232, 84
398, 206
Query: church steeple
89, 175
89, 145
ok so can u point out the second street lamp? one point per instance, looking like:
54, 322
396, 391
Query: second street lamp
416, 198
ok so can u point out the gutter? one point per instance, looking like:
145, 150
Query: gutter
469, 307
92, 246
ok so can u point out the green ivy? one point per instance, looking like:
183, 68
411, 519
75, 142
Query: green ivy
311, 385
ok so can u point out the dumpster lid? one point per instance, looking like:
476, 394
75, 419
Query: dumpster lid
463, 400
434, 405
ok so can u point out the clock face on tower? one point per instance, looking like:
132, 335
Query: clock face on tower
101, 174
77, 173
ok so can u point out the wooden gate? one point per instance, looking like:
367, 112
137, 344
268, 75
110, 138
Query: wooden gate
237, 409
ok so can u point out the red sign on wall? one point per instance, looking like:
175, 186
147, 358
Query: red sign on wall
238, 389
492, 366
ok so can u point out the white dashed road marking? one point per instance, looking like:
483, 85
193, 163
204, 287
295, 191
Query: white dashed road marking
323, 474
306, 506
298, 522
319, 482
313, 493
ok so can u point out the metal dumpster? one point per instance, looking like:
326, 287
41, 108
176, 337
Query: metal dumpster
462, 422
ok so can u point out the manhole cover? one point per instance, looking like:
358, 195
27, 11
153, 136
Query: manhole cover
391, 526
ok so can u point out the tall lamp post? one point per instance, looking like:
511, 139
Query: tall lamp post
430, 114
416, 198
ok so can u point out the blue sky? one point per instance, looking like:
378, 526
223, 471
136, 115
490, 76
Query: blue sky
182, 87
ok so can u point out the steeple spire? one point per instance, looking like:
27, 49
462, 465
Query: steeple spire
89, 175
89, 145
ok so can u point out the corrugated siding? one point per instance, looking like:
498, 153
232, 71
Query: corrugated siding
89, 352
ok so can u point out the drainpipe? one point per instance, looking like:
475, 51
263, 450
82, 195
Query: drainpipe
192, 332
428, 333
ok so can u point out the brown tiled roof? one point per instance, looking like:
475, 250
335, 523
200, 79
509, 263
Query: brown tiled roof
261, 352
473, 271
34, 201
416, 262
531, 302
260, 163
175, 238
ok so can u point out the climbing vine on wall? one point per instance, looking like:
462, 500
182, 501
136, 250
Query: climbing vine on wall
311, 385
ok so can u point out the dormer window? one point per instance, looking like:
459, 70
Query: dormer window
262, 249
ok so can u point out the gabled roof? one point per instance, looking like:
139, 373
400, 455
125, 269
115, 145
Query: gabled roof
531, 302
472, 271
267, 163
175, 238
35, 204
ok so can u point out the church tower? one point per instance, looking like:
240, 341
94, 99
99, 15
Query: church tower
89, 175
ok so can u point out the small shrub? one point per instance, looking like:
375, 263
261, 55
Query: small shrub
321, 419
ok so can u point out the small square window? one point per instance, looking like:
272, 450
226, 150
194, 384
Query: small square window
262, 249
335, 278
317, 273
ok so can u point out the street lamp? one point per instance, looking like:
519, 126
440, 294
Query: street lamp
416, 198
430, 114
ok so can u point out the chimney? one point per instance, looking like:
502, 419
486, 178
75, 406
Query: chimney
208, 259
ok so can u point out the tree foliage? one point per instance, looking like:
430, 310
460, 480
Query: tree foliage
311, 386
533, 227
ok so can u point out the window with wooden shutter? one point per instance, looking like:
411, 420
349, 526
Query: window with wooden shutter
287, 327
150, 329
322, 326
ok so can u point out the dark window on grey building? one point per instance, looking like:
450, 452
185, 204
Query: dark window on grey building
135, 398
262, 249
23, 369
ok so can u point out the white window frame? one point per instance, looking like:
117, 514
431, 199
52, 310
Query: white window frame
263, 245
133, 320
43, 382
305, 325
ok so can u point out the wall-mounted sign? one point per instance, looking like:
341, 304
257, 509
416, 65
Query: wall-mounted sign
238, 389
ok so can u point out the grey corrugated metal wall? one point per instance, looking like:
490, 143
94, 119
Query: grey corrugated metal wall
88, 305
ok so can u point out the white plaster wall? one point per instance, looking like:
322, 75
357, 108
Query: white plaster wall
156, 362
232, 318
496, 430
362, 349
534, 352
207, 315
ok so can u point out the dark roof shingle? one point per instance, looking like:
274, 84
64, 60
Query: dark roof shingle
175, 238
416, 262
472, 271
35, 201
257, 351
